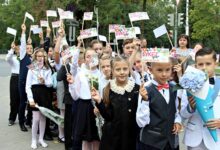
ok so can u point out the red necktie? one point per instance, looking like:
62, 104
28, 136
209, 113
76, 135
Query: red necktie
163, 86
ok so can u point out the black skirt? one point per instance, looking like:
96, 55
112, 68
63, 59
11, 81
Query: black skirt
84, 122
40, 96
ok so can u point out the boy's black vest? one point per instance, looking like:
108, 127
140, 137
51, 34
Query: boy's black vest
158, 133
24, 69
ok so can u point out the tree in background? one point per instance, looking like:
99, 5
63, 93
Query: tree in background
205, 20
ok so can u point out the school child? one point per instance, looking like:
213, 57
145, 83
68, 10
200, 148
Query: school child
105, 67
13, 59
97, 46
196, 134
38, 79
85, 126
157, 114
128, 48
118, 108
26, 50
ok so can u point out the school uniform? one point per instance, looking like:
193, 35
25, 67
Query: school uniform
196, 135
67, 100
37, 91
139, 77
14, 63
156, 117
120, 128
25, 60
84, 125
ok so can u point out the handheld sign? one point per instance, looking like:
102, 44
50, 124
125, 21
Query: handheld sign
88, 16
11, 31
155, 55
66, 15
160, 31
44, 23
114, 27
136, 16
37, 30
29, 16
56, 24
137, 30
34, 27
51, 13
88, 33
102, 38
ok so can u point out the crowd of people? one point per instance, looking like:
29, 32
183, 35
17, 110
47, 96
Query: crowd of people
116, 103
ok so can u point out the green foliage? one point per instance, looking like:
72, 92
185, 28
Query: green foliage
205, 17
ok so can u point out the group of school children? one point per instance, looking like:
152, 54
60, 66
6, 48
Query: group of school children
136, 101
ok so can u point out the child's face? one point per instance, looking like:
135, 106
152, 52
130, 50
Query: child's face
138, 65
182, 42
128, 49
121, 71
40, 56
206, 63
29, 49
88, 56
98, 48
50, 52
106, 67
161, 72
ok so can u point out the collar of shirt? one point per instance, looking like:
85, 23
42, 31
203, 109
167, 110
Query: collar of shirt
164, 92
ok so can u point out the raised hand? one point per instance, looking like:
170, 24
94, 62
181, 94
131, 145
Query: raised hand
143, 92
69, 78
95, 95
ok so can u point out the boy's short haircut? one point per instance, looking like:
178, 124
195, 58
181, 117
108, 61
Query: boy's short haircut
127, 41
206, 51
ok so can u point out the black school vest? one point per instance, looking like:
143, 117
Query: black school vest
162, 115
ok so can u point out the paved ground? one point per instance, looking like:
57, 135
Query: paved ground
11, 138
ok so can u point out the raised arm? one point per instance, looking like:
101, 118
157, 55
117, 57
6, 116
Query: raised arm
23, 42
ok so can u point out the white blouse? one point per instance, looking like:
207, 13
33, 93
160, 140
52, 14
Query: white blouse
32, 79
80, 89
13, 61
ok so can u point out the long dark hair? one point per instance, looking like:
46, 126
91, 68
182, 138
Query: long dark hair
185, 37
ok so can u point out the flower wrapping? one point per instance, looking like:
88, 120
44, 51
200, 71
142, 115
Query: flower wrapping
197, 85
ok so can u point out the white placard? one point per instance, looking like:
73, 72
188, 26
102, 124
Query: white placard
137, 30
136, 16
56, 24
102, 38
27, 15
160, 31
88, 33
51, 13
113, 27
66, 15
37, 30
88, 16
11, 31
44, 23
34, 26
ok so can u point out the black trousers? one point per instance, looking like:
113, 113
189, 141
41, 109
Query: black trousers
68, 126
14, 97
148, 147
23, 104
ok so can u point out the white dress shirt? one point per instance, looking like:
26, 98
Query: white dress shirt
13, 61
32, 79
143, 110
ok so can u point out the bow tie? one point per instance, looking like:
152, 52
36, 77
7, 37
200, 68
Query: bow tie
163, 86
211, 81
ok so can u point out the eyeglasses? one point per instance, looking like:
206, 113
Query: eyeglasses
129, 47
40, 56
